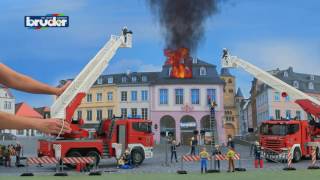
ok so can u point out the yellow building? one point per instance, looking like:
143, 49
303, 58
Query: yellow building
100, 102
232, 100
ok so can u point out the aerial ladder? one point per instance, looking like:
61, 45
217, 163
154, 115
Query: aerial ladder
65, 105
310, 104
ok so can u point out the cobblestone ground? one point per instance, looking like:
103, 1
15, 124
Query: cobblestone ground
158, 164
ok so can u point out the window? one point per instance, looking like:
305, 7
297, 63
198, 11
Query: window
144, 95
110, 113
163, 96
124, 79
21, 132
7, 105
179, 96
298, 115
134, 112
230, 81
142, 127
99, 114
110, 80
278, 114
276, 96
285, 74
89, 115
124, 113
288, 114
310, 85
169, 71
89, 97
312, 77
109, 96
144, 113
230, 90
144, 79
203, 71
296, 84
134, 79
287, 98
99, 97
79, 113
134, 95
211, 95
99, 80
195, 96
123, 96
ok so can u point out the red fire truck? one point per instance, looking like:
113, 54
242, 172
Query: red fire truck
279, 136
112, 137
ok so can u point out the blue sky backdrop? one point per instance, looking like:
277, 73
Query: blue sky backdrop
268, 33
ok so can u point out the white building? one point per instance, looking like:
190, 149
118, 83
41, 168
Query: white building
7, 104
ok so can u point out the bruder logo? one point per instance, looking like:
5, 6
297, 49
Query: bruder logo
48, 21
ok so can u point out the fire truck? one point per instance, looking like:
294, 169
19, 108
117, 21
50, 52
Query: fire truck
278, 136
112, 136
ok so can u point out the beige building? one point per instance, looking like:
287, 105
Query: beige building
232, 101
100, 102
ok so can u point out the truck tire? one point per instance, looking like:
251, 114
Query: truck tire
96, 155
296, 155
137, 156
73, 153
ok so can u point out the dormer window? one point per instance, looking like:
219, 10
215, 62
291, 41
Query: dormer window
169, 72
110, 80
285, 74
134, 78
124, 79
310, 85
296, 84
195, 60
99, 80
144, 78
312, 77
203, 71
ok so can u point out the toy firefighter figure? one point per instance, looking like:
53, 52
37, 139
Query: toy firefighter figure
193, 144
204, 155
258, 161
173, 148
216, 151
230, 155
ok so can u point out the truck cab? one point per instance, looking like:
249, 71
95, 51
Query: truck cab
280, 136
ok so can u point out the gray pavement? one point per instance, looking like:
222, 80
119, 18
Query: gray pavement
157, 164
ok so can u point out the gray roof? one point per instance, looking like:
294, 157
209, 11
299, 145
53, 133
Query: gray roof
225, 72
239, 93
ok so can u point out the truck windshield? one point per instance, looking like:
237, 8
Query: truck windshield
142, 126
278, 129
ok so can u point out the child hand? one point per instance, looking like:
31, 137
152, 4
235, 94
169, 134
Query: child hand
52, 126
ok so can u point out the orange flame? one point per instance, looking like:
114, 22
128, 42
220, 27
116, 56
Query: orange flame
180, 62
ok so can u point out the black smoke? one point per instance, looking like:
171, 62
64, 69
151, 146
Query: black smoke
183, 20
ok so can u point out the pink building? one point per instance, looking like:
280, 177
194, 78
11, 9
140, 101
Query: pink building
180, 106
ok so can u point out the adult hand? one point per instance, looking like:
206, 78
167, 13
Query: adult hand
63, 88
52, 126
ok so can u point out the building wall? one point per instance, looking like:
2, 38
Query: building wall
7, 104
177, 112
95, 105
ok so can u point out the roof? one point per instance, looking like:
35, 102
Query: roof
42, 110
225, 72
302, 79
239, 93
23, 109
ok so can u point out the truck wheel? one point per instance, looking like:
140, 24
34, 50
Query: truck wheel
296, 155
137, 156
73, 153
96, 155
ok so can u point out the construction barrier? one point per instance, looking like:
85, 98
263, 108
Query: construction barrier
313, 158
220, 157
289, 161
40, 161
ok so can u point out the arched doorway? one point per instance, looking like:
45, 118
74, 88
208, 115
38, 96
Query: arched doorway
229, 129
205, 123
206, 134
187, 126
167, 127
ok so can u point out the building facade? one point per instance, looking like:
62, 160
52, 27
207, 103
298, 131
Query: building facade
270, 104
232, 99
7, 104
179, 106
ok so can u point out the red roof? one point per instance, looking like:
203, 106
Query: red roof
23, 109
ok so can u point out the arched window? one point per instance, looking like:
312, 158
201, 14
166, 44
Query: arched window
230, 81
296, 84
203, 71
169, 72
310, 85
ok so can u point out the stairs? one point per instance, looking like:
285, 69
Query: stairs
106, 150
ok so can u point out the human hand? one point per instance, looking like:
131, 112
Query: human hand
62, 88
52, 126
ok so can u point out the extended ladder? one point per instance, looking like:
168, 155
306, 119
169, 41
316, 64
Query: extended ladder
89, 74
